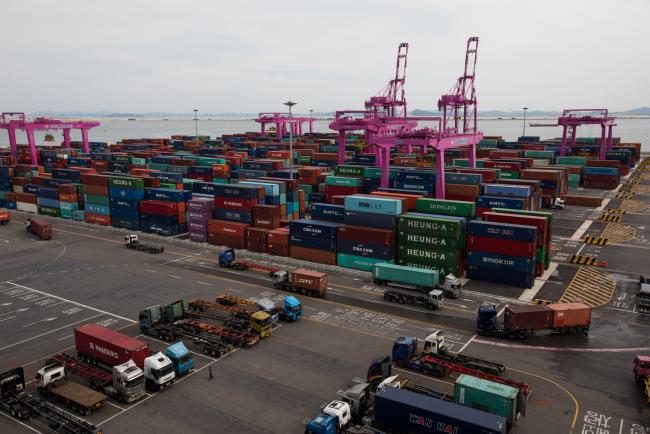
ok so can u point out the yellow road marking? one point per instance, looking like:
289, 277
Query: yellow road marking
594, 287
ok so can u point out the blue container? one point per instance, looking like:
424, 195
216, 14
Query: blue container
171, 177
79, 162
366, 250
181, 170
69, 174
126, 193
10, 204
502, 231
612, 171
158, 219
381, 221
364, 159
548, 183
506, 190
502, 277
270, 189
501, 202
503, 262
248, 173
200, 170
166, 194
313, 228
48, 192
379, 205
327, 211
316, 197
313, 242
416, 176
98, 209
160, 229
233, 215
120, 222
46, 201
463, 178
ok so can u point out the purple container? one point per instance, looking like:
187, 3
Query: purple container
199, 217
199, 238
200, 205
200, 228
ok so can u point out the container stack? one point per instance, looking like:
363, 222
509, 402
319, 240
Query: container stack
504, 196
257, 239
47, 199
164, 211
68, 199
227, 233
6, 173
601, 177
313, 240
200, 211
96, 199
421, 181
501, 253
362, 247
278, 242
125, 196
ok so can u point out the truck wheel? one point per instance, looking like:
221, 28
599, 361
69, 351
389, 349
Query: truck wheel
521, 335
427, 369
402, 300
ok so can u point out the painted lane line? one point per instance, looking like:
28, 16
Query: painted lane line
74, 302
151, 271
234, 290
577, 235
566, 350
52, 318
174, 276
466, 344
309, 307
203, 283
17, 310
21, 423
9, 317
47, 333
116, 406
176, 260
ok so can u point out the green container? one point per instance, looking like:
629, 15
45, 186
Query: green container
443, 269
66, 213
456, 208
220, 181
68, 206
343, 181
48, 210
571, 161
464, 162
78, 215
375, 172
307, 188
209, 161
349, 170
125, 182
542, 155
96, 199
138, 161
488, 396
412, 276
430, 241
540, 255
168, 185
305, 159
359, 262
489, 142
122, 158
438, 255
574, 180
426, 225
507, 174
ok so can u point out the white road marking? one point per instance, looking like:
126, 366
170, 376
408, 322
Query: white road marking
466, 344
308, 307
176, 260
22, 423
116, 406
234, 290
47, 333
23, 309
151, 271
65, 337
203, 283
52, 318
9, 317
174, 276
74, 302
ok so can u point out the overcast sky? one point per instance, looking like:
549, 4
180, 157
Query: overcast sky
248, 56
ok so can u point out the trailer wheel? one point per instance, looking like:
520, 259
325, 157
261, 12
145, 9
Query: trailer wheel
521, 335
14, 413
427, 369
402, 300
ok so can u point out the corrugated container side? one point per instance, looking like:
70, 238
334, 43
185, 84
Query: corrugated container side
535, 317
485, 395
108, 346
570, 314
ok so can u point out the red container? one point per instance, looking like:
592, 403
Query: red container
108, 346
313, 255
541, 223
603, 163
279, 237
158, 207
257, 234
67, 188
277, 250
382, 237
501, 247
26, 197
266, 211
527, 317
235, 203
256, 246
97, 219
267, 223
93, 179
96, 190
570, 314
227, 240
232, 229
463, 190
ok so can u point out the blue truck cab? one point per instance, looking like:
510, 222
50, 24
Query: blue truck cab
486, 321
181, 358
322, 424
404, 348
292, 309
226, 257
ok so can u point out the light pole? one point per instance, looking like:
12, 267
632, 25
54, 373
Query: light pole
196, 123
525, 109
311, 113
290, 104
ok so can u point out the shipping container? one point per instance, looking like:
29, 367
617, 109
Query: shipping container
313, 228
527, 317
446, 207
422, 278
418, 223
108, 346
502, 276
526, 249
489, 396
415, 413
570, 314
313, 255
502, 231
382, 221
503, 262
373, 205
308, 279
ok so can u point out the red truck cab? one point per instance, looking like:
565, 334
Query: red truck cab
641, 368
5, 217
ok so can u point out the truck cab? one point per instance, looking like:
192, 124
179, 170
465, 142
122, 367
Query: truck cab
260, 322
341, 410
280, 278
150, 318
322, 424
452, 286
128, 381
269, 306
436, 297
641, 367
291, 309
49, 374
486, 320
405, 348
643, 295
181, 358
226, 257
130, 239
158, 371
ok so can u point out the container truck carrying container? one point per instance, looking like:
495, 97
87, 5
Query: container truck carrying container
520, 321
415, 279
39, 227
51, 380
306, 282
5, 217
488, 396
21, 405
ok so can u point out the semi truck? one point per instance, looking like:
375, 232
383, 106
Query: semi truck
171, 322
306, 282
39, 227
415, 279
124, 382
181, 358
5, 217
643, 295
233, 317
52, 381
291, 309
642, 373
434, 299
132, 242
227, 259
21, 405
103, 346
520, 321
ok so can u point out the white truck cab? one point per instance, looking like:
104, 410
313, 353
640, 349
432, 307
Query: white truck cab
437, 297
452, 286
158, 371
434, 342
49, 374
339, 409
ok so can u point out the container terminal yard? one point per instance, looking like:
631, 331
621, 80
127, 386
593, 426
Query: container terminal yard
386, 277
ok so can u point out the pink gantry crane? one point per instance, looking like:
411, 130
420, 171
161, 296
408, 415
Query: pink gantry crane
571, 119
384, 114
12, 121
458, 105
283, 122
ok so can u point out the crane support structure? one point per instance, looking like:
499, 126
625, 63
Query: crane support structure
571, 119
283, 122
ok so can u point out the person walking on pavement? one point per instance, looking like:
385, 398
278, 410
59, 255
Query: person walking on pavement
210, 372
